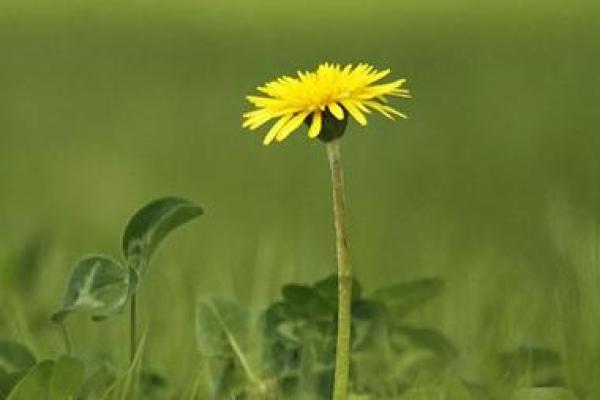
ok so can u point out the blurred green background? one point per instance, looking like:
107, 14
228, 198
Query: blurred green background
491, 184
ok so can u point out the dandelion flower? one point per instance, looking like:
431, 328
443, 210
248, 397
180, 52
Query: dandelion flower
323, 98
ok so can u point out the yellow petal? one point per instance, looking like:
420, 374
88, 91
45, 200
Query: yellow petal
382, 90
354, 111
374, 77
275, 128
401, 93
336, 110
394, 111
385, 110
259, 119
315, 127
379, 107
361, 106
259, 101
291, 126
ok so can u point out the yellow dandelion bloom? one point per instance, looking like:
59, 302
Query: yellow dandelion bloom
314, 97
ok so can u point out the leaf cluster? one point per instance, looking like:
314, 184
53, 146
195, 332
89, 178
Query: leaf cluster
101, 285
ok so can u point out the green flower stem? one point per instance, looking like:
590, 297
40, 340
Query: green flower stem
133, 328
342, 357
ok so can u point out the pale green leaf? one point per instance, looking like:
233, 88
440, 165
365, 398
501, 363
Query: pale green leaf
99, 285
222, 331
221, 326
35, 385
67, 378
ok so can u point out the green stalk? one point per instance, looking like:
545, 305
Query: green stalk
342, 357
133, 328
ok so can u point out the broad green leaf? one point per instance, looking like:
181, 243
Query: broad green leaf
14, 357
273, 316
365, 309
98, 285
306, 302
387, 357
328, 289
370, 326
544, 393
151, 224
8, 381
374, 371
35, 385
404, 297
67, 378
15, 360
102, 378
407, 337
222, 329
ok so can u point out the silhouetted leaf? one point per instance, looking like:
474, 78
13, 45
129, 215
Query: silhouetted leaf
98, 285
34, 385
374, 370
404, 337
15, 361
221, 327
151, 224
67, 378
328, 289
366, 309
9, 380
98, 382
274, 315
404, 297
306, 301
14, 357
386, 355
50, 380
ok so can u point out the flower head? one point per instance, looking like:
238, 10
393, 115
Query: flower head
321, 98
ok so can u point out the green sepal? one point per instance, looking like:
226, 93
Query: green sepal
331, 128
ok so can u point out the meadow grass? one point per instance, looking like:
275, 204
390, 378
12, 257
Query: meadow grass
491, 185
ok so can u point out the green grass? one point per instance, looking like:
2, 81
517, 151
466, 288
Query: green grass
492, 184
